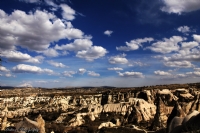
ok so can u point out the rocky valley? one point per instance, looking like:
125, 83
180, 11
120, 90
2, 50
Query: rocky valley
171, 108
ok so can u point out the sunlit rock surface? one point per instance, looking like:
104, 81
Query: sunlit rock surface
165, 108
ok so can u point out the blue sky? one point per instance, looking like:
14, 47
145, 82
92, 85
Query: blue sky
61, 43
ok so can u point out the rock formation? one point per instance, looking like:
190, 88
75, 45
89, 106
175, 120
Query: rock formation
114, 109
28, 125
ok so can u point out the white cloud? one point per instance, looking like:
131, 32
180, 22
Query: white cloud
189, 45
23, 68
17, 56
116, 69
51, 3
197, 69
134, 44
189, 51
25, 85
181, 75
162, 73
193, 74
92, 73
137, 63
41, 81
131, 74
69, 73
81, 70
183, 29
108, 32
65, 53
56, 64
92, 53
4, 69
45, 28
196, 37
56, 81
68, 13
167, 45
30, 1
119, 59
77, 45
179, 64
51, 52
9, 75
180, 6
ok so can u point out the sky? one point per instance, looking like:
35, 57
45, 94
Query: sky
121, 43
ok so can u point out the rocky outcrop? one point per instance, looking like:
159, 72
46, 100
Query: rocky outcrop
139, 111
176, 112
189, 123
106, 124
160, 117
28, 125
77, 121
158, 108
4, 123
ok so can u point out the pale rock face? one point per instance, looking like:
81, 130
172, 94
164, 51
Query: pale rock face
106, 124
190, 120
77, 121
146, 109
117, 108
27, 124
192, 114
118, 123
61, 118
137, 128
176, 121
92, 117
4, 123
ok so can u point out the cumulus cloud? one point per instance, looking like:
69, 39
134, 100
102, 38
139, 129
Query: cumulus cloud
51, 52
30, 1
179, 64
56, 64
193, 74
183, 29
4, 69
92, 53
68, 13
51, 3
134, 44
196, 37
84, 49
45, 28
69, 73
8, 75
108, 32
41, 81
137, 63
23, 68
189, 51
189, 45
119, 59
167, 45
131, 74
56, 81
197, 69
25, 85
116, 69
181, 75
162, 73
81, 70
77, 45
16, 56
180, 6
92, 73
